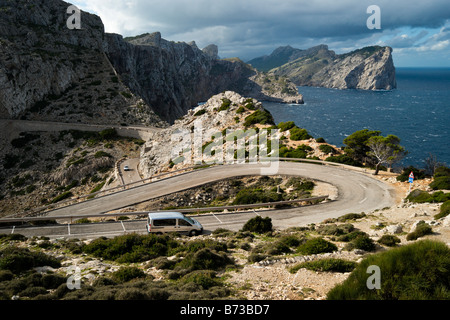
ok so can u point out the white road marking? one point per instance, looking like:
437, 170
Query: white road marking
124, 230
363, 200
217, 218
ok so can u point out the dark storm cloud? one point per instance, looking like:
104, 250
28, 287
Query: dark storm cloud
251, 27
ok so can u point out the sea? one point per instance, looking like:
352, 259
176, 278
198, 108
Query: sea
417, 111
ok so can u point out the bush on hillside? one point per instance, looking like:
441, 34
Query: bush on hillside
444, 211
315, 246
259, 117
389, 240
299, 134
258, 225
441, 183
17, 260
419, 196
419, 271
422, 229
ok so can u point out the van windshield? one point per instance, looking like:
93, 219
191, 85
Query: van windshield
189, 219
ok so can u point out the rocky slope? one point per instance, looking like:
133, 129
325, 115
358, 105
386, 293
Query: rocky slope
369, 68
48, 71
225, 111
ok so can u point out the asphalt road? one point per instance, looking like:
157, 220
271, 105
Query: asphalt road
357, 192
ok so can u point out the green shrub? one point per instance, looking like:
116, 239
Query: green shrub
100, 154
297, 153
283, 126
344, 159
351, 216
259, 117
335, 230
442, 171
258, 225
131, 248
206, 279
200, 112
315, 246
444, 211
18, 260
32, 292
24, 139
441, 183
320, 140
251, 196
126, 94
299, 134
362, 242
241, 109
351, 236
108, 134
389, 240
125, 274
422, 229
6, 275
205, 259
417, 271
128, 294
299, 184
325, 148
419, 196
226, 103
326, 265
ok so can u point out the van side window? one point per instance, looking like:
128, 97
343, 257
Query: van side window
164, 223
183, 223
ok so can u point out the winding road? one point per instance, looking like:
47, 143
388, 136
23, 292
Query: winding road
357, 192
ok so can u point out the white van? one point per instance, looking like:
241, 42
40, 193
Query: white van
164, 222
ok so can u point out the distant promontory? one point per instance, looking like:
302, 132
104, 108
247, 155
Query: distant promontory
368, 68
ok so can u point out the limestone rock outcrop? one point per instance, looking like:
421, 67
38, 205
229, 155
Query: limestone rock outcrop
369, 68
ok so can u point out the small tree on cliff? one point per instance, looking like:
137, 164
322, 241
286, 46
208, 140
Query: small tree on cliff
385, 150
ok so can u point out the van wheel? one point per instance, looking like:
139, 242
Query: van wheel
193, 233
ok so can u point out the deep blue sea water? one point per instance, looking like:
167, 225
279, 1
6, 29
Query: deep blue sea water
418, 112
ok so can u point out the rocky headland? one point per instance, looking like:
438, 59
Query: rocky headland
369, 68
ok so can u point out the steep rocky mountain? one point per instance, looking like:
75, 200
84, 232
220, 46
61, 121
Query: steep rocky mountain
51, 72
153, 67
369, 68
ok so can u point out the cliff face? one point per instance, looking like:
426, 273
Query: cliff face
174, 77
49, 72
370, 68
39, 55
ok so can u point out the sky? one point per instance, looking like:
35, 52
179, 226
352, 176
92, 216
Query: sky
418, 31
